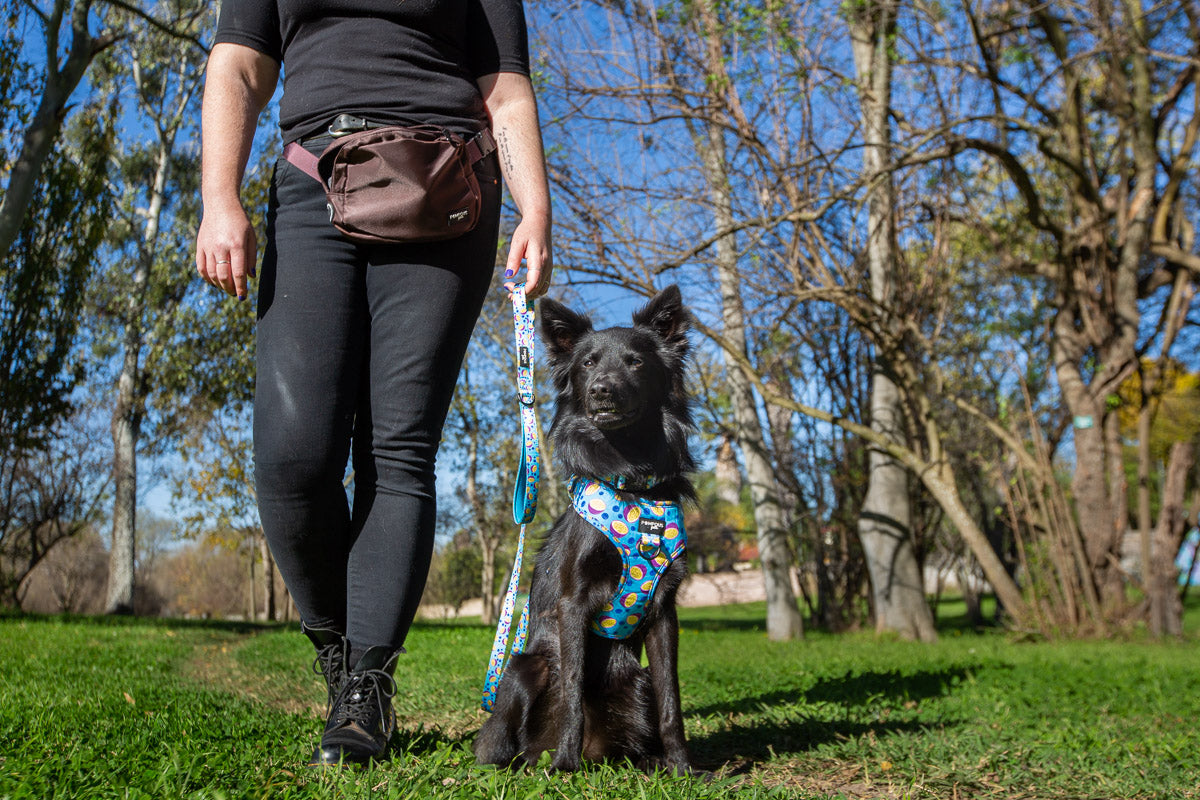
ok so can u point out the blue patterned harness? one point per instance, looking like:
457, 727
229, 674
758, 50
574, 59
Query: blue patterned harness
648, 534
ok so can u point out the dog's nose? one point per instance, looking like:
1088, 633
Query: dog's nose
599, 391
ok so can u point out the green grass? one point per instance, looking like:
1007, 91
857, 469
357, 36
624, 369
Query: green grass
103, 708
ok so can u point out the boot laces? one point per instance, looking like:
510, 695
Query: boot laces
368, 697
328, 664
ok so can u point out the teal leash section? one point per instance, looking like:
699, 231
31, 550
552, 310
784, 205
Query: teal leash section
524, 497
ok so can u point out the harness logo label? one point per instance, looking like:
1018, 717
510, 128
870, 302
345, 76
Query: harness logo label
523, 358
651, 526
459, 216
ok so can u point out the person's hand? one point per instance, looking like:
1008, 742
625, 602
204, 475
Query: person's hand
531, 244
226, 248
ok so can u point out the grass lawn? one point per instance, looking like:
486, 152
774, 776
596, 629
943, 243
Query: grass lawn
108, 708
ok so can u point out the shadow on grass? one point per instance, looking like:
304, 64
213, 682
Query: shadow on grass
711, 624
423, 742
853, 689
765, 740
743, 747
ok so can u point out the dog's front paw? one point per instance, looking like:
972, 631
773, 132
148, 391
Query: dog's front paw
565, 761
683, 768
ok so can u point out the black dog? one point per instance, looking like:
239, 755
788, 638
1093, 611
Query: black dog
622, 418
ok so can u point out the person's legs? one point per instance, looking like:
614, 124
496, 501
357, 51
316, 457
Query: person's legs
423, 301
311, 348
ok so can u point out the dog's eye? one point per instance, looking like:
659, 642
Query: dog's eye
589, 362
634, 361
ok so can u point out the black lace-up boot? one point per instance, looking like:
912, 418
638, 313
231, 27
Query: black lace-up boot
330, 662
362, 720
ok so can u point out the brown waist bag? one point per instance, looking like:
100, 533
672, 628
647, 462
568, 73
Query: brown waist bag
399, 184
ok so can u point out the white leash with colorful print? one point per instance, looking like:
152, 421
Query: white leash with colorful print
524, 496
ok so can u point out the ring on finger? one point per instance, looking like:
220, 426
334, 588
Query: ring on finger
226, 261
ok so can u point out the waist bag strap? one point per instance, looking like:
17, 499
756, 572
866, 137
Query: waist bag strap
479, 146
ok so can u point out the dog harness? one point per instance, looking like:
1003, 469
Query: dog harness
648, 534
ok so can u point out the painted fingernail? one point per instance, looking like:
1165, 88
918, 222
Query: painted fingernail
508, 273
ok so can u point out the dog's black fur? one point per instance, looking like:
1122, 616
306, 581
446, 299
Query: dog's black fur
622, 409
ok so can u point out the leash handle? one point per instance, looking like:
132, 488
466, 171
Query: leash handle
524, 497
525, 493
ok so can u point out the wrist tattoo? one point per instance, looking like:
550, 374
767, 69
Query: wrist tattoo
505, 152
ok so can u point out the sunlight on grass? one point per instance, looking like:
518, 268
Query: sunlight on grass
147, 709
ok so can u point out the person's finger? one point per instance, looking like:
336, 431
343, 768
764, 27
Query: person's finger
237, 273
209, 271
204, 258
533, 276
250, 251
540, 267
224, 273
516, 252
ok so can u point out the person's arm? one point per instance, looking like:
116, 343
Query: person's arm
238, 84
513, 109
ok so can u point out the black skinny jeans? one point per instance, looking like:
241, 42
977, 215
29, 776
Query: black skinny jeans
358, 348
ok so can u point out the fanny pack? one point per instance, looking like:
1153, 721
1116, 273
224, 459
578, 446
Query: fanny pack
397, 183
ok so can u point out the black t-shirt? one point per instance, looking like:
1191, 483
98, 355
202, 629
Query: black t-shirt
391, 61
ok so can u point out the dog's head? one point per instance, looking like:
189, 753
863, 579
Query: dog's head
620, 379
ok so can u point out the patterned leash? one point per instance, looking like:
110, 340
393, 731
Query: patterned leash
524, 496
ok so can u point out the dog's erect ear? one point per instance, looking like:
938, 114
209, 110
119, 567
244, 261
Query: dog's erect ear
665, 315
561, 328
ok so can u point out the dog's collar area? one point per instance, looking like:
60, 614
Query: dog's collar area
624, 483
648, 535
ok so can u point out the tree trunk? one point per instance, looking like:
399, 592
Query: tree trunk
1114, 448
1145, 534
487, 551
268, 576
129, 410
942, 488
783, 614
44, 127
1089, 484
125, 427
1162, 576
728, 476
897, 586
488, 540
884, 526
969, 594
253, 585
